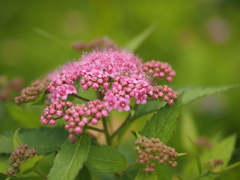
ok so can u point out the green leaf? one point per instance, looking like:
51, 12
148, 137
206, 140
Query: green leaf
140, 38
84, 173
223, 150
6, 144
188, 128
30, 164
163, 123
70, 159
45, 139
131, 173
232, 166
106, 159
182, 154
25, 118
164, 171
16, 140
141, 110
4, 165
142, 175
192, 93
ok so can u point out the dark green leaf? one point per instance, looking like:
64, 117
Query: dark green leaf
84, 173
164, 171
25, 118
16, 140
4, 165
140, 38
162, 124
70, 159
192, 93
40, 99
106, 159
142, 175
131, 173
44, 139
6, 144
30, 164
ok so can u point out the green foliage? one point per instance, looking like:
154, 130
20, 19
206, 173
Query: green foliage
163, 123
140, 38
6, 145
84, 173
25, 118
106, 159
16, 140
142, 175
30, 164
70, 159
4, 165
192, 93
164, 171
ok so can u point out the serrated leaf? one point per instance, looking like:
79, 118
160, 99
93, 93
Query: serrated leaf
163, 123
141, 110
6, 145
164, 171
142, 175
140, 38
106, 159
44, 139
16, 140
30, 164
4, 165
25, 118
193, 93
70, 159
84, 173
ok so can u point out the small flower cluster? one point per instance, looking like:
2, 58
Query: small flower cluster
31, 93
79, 116
19, 155
150, 150
54, 111
165, 93
214, 165
126, 87
159, 70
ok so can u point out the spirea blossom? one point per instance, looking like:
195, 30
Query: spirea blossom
117, 75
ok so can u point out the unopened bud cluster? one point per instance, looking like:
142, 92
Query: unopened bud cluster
153, 150
31, 93
19, 155
215, 165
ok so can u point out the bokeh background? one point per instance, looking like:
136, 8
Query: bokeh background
199, 38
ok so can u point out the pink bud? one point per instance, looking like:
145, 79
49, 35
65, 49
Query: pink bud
78, 130
52, 122
94, 121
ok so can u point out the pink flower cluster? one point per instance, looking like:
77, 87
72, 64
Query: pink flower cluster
159, 70
117, 74
80, 115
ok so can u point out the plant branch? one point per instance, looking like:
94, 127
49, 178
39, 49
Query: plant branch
106, 132
42, 175
95, 129
79, 97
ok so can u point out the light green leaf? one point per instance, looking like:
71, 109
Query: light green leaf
193, 93
30, 164
70, 159
182, 154
140, 38
16, 140
187, 129
142, 175
163, 123
25, 118
164, 171
232, 166
223, 150
106, 159
4, 165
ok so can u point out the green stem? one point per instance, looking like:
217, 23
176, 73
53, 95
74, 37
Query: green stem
201, 176
42, 175
106, 132
79, 97
95, 129
128, 167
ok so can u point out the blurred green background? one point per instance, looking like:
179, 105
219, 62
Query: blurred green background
199, 38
